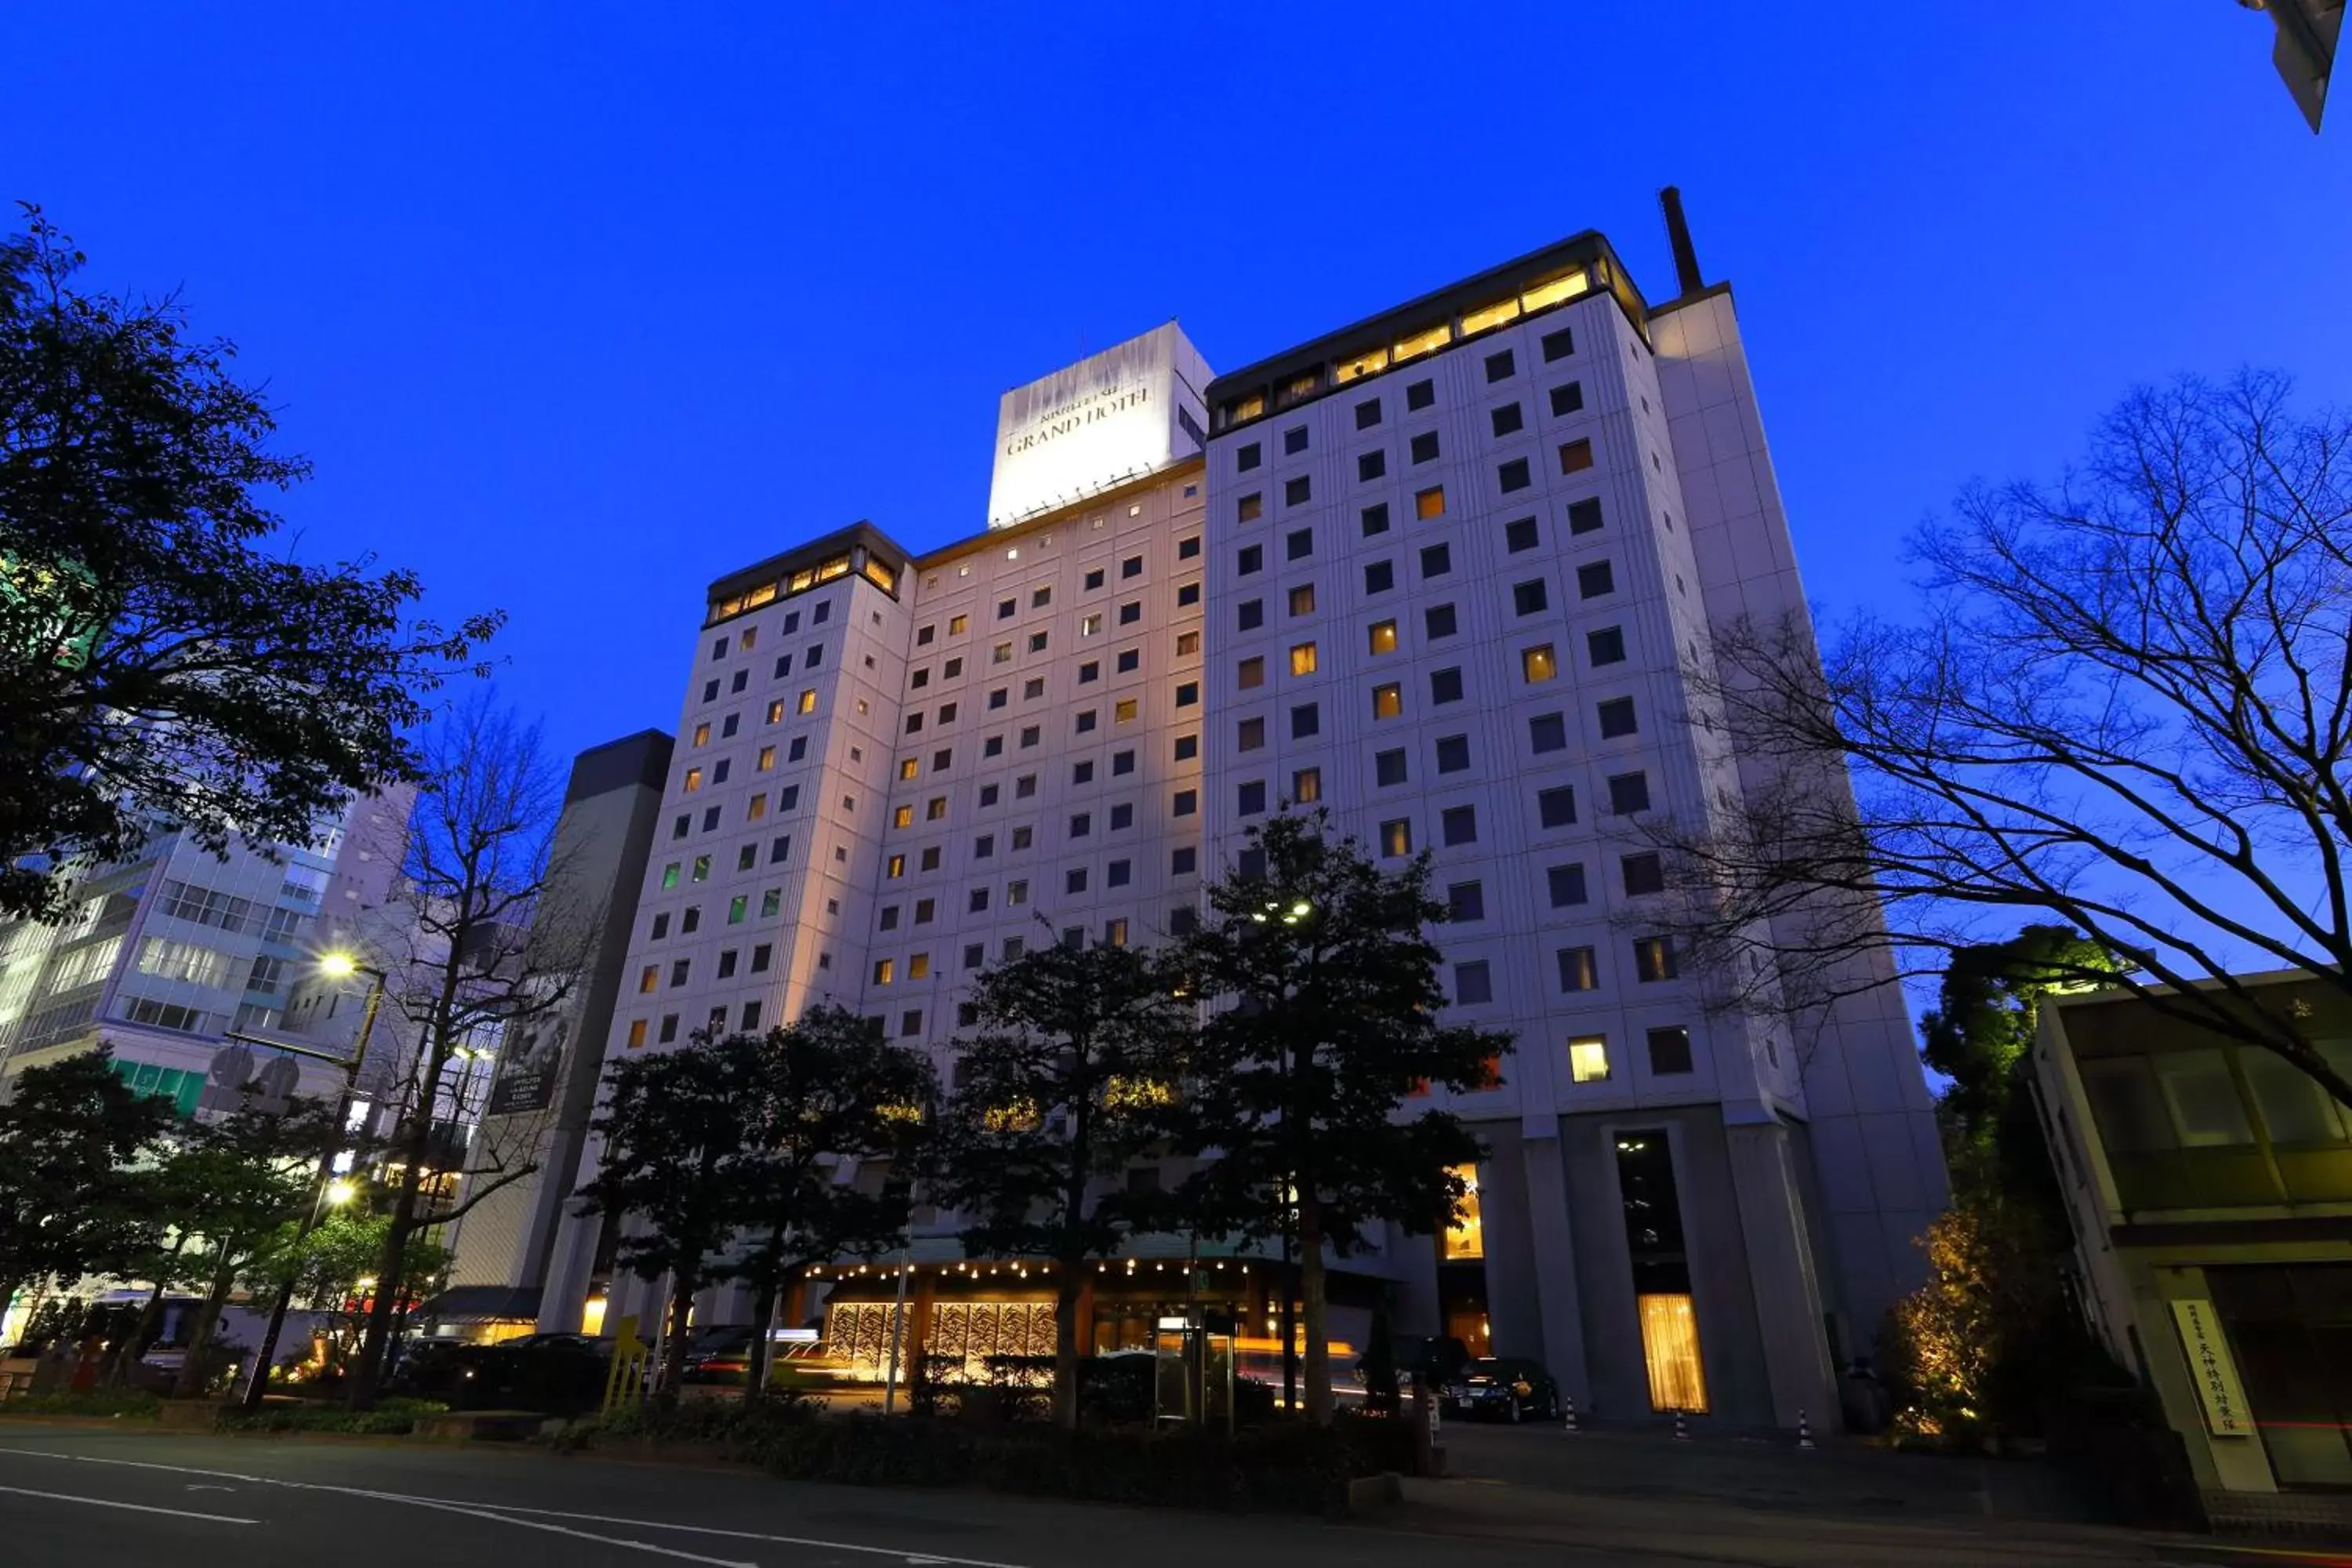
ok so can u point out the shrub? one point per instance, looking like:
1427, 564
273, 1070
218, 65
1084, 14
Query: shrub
391, 1418
125, 1404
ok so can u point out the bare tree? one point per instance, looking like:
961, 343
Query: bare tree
2126, 703
488, 935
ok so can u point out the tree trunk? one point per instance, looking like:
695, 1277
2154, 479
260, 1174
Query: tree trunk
1289, 1316
191, 1380
1312, 1313
763, 1317
142, 1333
673, 1367
367, 1370
1069, 1280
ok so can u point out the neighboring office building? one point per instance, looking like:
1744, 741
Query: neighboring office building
2209, 1184
894, 772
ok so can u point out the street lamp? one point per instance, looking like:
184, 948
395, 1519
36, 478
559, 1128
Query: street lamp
332, 1191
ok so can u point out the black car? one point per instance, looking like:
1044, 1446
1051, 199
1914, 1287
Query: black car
1502, 1388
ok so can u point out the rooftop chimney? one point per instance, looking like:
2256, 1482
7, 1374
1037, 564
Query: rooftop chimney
1687, 279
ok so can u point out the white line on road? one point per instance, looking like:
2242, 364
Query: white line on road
132, 1507
904, 1554
476, 1511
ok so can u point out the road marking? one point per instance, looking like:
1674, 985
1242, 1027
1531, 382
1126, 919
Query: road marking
474, 1511
131, 1507
900, 1553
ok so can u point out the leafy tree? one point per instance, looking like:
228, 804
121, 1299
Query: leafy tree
331, 1269
69, 1135
160, 658
1323, 984
2125, 704
1069, 1074
826, 1089
676, 1130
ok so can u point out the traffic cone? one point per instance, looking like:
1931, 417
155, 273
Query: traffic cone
1567, 1414
1681, 1431
1804, 1430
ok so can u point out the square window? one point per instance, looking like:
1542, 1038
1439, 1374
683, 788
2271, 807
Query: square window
1296, 491
1187, 747
668, 1027
1250, 673
1371, 465
1041, 598
1307, 786
1529, 598
1466, 901
974, 954
1437, 559
1250, 799
710, 818
1185, 803
1566, 886
977, 902
711, 692
1082, 772
1306, 719
1606, 645
1089, 672
1584, 516
796, 750
1558, 344
1629, 793
1575, 456
1471, 983
1130, 567
1654, 959
1249, 615
1093, 581
1423, 446
1082, 823
779, 849
1396, 839
1420, 396
1519, 534
1294, 440
1116, 874
1298, 544
1556, 806
1500, 365
1388, 768
1669, 1050
984, 845
1514, 476
1250, 865
761, 955
1302, 658
1084, 723
1375, 519
1130, 661
1379, 576
1122, 763
1183, 862
1453, 754
1189, 547
1459, 825
959, 624
1302, 599
1566, 398
1444, 686
1617, 718
1382, 636
1248, 458
1438, 621
910, 1022
742, 677
1367, 414
1576, 969
1547, 733
1249, 735
1507, 420
1130, 612
1429, 503
1248, 559
1388, 700
1537, 663
1187, 644
1036, 642
1643, 874
1588, 1058
889, 920
1006, 607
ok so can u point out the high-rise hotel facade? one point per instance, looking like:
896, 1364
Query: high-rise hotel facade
1439, 572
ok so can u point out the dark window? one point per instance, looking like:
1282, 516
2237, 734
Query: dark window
1294, 440
1130, 612
1250, 614
1466, 900
1438, 621
1297, 492
1250, 508
1131, 567
1420, 394
1669, 1050
1566, 884
1250, 865
1186, 802
1188, 693
974, 954
1459, 825
1617, 718
1558, 344
1376, 519
1371, 465
1548, 733
1444, 686
1250, 799
1629, 793
1249, 735
1181, 862
1519, 534
1437, 559
1529, 598
1567, 397
1306, 719
1508, 419
1121, 815
1643, 874
1122, 763
1606, 645
1117, 873
1595, 579
1367, 414
1186, 547
1500, 365
1187, 748
1298, 544
1252, 558
1074, 880
1247, 458
1584, 516
1555, 808
1513, 475
1094, 580
1189, 593
1471, 983
1424, 446
1388, 768
1379, 576
1453, 754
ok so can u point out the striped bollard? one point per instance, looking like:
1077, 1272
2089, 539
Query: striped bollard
1567, 1414
1804, 1430
1681, 1428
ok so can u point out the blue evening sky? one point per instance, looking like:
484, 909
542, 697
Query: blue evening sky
578, 306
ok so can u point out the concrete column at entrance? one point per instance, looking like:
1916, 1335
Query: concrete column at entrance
1555, 1266
1780, 1271
565, 1294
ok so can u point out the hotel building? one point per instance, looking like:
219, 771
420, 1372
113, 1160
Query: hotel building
1441, 572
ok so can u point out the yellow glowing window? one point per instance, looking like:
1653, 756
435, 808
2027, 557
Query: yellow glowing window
881, 576
1566, 287
1420, 343
908, 767
1576, 457
904, 816
919, 967
767, 759
1588, 1058
1307, 786
1493, 315
1364, 364
897, 867
1396, 838
807, 703
693, 780
1302, 599
1187, 643
636, 1033
765, 594
1125, 712
1388, 702
1384, 636
935, 808
1538, 663
1302, 658
1250, 673
883, 971
748, 637
776, 711
955, 625
702, 735
836, 567
757, 809
1248, 407
804, 579
1670, 1346
1430, 503
1466, 1237
649, 979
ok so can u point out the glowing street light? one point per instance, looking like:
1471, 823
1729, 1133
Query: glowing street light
339, 964
340, 1193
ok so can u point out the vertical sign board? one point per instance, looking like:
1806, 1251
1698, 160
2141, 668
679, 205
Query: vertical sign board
2210, 1368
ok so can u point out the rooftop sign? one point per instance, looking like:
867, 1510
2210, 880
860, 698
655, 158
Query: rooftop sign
1112, 417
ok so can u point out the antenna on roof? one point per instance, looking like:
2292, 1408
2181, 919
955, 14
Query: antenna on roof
1687, 278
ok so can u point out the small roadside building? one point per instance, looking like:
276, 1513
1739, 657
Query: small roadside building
2209, 1184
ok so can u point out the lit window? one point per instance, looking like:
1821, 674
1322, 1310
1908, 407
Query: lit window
904, 816
702, 735
1588, 1058
1250, 674
1384, 636
919, 967
1302, 599
767, 761
909, 767
1396, 838
1302, 658
1654, 959
1576, 457
757, 809
1307, 786
1465, 1237
1494, 315
1670, 1347
1420, 343
808, 701
1430, 503
1187, 643
693, 780
883, 971
1388, 700
1124, 713
1537, 663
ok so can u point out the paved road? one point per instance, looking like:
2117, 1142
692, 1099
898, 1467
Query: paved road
82, 1498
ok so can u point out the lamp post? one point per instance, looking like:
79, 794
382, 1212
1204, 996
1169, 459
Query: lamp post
332, 1192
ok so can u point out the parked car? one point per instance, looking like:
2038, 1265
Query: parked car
721, 1354
1502, 1388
